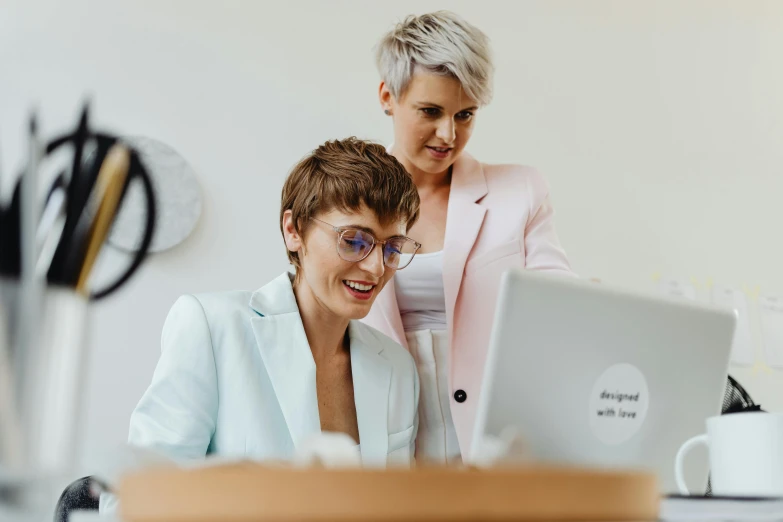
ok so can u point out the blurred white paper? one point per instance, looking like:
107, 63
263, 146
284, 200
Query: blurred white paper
742, 346
771, 312
680, 289
508, 449
329, 450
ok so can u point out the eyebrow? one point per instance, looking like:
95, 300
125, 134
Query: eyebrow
436, 106
360, 227
369, 231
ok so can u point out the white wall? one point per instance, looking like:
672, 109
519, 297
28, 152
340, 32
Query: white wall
658, 124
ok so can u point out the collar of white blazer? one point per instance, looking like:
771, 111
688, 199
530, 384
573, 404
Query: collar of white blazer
283, 345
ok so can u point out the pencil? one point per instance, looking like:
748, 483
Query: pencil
109, 187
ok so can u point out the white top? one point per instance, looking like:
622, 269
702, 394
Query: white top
422, 303
420, 296
436, 442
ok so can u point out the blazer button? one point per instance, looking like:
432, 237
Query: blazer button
460, 396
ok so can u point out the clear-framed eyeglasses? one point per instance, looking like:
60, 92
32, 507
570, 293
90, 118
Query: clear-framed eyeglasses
355, 244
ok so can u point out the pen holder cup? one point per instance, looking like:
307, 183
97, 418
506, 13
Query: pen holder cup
42, 369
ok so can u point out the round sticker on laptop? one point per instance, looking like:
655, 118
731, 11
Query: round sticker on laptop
618, 404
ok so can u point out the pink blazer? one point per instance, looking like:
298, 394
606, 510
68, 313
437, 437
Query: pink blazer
499, 216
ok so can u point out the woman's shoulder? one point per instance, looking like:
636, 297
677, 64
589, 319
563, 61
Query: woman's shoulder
220, 320
214, 307
503, 177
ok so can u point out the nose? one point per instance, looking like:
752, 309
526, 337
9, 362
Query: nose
373, 264
446, 131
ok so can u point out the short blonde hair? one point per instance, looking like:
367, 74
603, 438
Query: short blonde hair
440, 43
343, 175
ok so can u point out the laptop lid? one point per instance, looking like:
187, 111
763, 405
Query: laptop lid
593, 376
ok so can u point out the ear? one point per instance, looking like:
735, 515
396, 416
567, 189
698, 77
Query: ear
293, 240
385, 97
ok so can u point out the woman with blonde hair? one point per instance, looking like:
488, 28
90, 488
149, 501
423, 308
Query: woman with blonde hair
477, 220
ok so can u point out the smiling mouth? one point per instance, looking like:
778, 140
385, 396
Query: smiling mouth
441, 150
358, 287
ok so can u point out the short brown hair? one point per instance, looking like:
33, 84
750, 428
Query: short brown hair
344, 174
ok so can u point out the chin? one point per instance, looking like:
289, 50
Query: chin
357, 312
433, 166
360, 313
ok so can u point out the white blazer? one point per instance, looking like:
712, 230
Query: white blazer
236, 378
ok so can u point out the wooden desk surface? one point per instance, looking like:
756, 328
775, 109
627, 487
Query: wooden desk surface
252, 492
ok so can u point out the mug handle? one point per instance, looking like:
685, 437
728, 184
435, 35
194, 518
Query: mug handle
680, 459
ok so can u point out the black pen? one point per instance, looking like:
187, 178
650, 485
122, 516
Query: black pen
74, 203
3, 246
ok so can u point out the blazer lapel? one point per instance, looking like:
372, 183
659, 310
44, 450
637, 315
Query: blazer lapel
371, 384
464, 219
286, 353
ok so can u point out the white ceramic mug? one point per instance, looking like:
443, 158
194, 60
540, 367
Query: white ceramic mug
746, 455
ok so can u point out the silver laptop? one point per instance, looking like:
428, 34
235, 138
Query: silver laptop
592, 376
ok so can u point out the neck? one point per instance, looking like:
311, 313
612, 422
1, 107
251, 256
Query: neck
428, 182
326, 333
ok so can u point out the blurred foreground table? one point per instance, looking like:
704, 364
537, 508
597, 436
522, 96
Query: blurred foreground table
254, 492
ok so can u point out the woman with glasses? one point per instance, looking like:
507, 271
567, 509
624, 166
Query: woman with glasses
256, 374
477, 220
